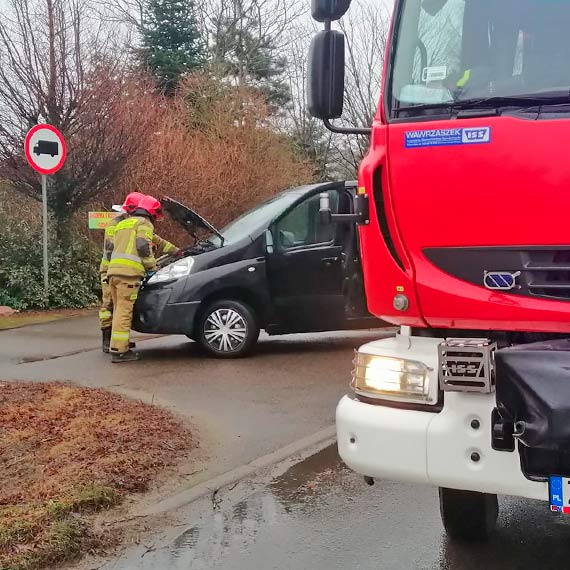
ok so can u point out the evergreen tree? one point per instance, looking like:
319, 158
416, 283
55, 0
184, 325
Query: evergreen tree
244, 51
172, 43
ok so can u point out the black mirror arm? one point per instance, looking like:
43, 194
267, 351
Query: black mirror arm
349, 218
347, 130
361, 216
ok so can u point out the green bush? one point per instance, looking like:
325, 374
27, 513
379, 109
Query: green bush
73, 268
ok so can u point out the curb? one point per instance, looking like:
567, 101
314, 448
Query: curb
233, 476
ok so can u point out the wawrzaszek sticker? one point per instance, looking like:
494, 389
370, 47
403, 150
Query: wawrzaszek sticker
448, 137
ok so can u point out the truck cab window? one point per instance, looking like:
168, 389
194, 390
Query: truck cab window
302, 226
457, 50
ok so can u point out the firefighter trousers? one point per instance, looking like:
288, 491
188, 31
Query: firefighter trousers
124, 293
106, 311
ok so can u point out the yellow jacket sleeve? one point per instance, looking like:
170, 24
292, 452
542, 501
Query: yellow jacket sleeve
144, 241
163, 247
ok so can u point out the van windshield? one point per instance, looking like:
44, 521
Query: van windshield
252, 220
457, 50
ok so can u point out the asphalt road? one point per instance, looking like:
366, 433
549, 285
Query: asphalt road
239, 410
317, 515
320, 516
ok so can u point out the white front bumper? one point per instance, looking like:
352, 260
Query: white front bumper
432, 448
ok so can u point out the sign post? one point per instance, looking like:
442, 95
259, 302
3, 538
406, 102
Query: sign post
46, 152
45, 233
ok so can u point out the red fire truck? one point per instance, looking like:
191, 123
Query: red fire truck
465, 245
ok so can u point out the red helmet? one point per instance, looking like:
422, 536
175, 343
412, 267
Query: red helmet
132, 202
152, 206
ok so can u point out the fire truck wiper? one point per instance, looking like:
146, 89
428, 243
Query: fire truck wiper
526, 100
494, 103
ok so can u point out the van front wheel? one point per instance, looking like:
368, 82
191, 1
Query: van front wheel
467, 515
228, 329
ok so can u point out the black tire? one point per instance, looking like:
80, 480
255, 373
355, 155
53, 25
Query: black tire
240, 337
468, 516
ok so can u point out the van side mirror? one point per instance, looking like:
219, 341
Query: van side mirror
329, 9
325, 212
361, 214
269, 245
325, 90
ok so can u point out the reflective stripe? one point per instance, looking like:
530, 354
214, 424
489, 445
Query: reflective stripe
105, 314
104, 262
126, 256
120, 336
464, 79
127, 224
118, 262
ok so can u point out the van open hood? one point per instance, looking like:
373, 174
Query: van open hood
188, 218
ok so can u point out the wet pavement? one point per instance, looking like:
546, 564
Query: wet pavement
239, 410
319, 515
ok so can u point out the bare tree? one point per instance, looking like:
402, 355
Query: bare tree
366, 29
312, 141
59, 65
366, 32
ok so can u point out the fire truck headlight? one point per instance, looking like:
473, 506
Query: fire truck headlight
388, 378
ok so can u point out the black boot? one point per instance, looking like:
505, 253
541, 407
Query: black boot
132, 344
106, 335
129, 356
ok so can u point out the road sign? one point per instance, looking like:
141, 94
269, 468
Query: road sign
100, 220
45, 149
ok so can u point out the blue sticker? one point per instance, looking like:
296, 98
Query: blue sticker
448, 137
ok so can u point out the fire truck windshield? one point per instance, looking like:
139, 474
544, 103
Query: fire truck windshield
447, 51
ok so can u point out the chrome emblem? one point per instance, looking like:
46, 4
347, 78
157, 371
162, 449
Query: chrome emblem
501, 280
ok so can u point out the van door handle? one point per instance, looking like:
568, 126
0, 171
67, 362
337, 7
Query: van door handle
330, 261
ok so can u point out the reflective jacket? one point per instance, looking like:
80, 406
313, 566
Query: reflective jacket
108, 242
161, 246
133, 254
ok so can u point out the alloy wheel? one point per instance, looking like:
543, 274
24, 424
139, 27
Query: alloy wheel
225, 330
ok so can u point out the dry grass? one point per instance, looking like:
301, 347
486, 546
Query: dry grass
26, 318
66, 452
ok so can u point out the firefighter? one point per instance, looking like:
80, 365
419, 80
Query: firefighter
132, 258
162, 247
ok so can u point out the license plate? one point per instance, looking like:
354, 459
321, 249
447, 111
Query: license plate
559, 491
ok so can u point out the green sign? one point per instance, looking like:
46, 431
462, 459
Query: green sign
100, 220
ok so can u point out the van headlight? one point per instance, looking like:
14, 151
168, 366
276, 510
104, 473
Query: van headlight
388, 378
174, 271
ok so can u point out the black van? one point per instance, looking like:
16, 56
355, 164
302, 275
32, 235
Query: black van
282, 267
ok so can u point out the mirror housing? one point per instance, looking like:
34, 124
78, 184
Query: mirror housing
323, 10
360, 217
325, 211
269, 244
325, 91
